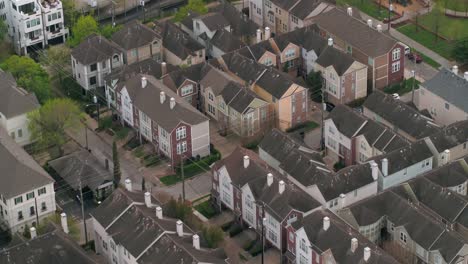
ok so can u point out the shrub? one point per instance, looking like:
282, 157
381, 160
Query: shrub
206, 209
235, 229
227, 225
139, 152
256, 249
150, 160
213, 236
247, 246
105, 122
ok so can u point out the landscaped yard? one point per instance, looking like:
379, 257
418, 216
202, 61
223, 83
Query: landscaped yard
404, 87
457, 5
367, 6
206, 209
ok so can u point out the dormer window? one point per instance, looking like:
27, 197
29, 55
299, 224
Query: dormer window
115, 59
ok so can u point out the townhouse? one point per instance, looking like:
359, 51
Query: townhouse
152, 235
352, 138
148, 66
176, 129
383, 55
284, 16
344, 79
178, 48
449, 144
400, 117
93, 59
15, 104
138, 42
444, 96
32, 24
27, 192
403, 164
322, 237
399, 219
289, 99
259, 196
453, 176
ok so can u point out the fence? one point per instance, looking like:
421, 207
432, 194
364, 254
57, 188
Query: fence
456, 14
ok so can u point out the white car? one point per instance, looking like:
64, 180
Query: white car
396, 96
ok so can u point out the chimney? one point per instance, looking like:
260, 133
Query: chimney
455, 69
144, 82
162, 97
326, 223
330, 42
350, 11
172, 103
445, 157
465, 75
159, 212
128, 184
354, 244
163, 68
385, 167
379, 28
259, 35
63, 220
375, 170
367, 253
180, 228
342, 200
33, 232
196, 242
269, 179
281, 187
148, 199
267, 33
369, 22
246, 162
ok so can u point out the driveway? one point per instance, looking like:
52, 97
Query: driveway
422, 70
195, 187
227, 144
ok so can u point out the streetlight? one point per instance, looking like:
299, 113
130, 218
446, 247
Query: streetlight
390, 10
95, 103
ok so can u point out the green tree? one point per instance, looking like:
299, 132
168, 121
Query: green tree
85, 26
48, 124
314, 82
29, 75
460, 52
70, 13
213, 236
178, 209
115, 158
197, 6
57, 58
108, 30
3, 29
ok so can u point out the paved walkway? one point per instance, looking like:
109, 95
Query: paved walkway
195, 187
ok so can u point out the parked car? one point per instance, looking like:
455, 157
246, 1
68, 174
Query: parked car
415, 57
396, 96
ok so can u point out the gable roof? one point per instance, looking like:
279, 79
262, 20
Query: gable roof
148, 66
346, 120
213, 21
449, 86
14, 100
278, 144
240, 24
194, 73
147, 100
400, 115
305, 7
177, 41
339, 60
95, 48
450, 175
20, 172
355, 32
134, 34
225, 41
216, 80
238, 97
451, 136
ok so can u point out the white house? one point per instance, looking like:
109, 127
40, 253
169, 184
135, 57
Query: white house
33, 24
15, 104
27, 192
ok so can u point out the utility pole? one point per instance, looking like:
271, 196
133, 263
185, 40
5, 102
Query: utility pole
412, 85
324, 108
183, 177
263, 239
37, 212
390, 9
113, 13
82, 212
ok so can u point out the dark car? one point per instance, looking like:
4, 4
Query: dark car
415, 57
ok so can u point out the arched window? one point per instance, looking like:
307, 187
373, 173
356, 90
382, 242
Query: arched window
115, 59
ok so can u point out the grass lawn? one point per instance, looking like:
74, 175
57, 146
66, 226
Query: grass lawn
449, 27
429, 61
367, 6
206, 209
427, 39
402, 88
457, 5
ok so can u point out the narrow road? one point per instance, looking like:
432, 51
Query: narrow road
195, 187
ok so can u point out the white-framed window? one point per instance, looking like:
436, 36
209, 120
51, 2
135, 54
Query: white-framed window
268, 62
291, 236
396, 54
249, 216
133, 52
30, 196
333, 203
272, 236
362, 157
186, 90
272, 222
268, 4
295, 19
447, 106
211, 97
249, 202
403, 237
259, 11
290, 53
182, 147
395, 66
331, 143
303, 260
18, 200
303, 246
181, 132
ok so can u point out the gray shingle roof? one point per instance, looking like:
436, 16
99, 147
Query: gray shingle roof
333, 57
177, 41
20, 172
305, 7
134, 34
451, 87
216, 80
346, 120
94, 49
450, 175
240, 24
278, 144
355, 32
148, 66
226, 41
451, 136
213, 21
238, 97
14, 100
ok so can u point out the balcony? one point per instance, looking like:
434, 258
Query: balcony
51, 4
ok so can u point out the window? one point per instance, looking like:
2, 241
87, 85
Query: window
197, 25
181, 147
211, 97
395, 66
189, 61
259, 11
32, 211
186, 90
18, 200
181, 132
20, 133
263, 115
268, 62
396, 54
272, 236
355, 193
464, 145
447, 106
92, 80
285, 27
30, 195
271, 17
291, 236
43, 206
290, 53
331, 143
249, 216
333, 203
115, 59
349, 49
268, 4
403, 237
303, 260
93, 67
33, 22
211, 109
104, 64
295, 19
41, 191
133, 52
20, 215
112, 245
303, 246
104, 245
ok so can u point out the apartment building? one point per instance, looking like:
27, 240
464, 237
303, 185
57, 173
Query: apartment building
27, 192
15, 104
33, 24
